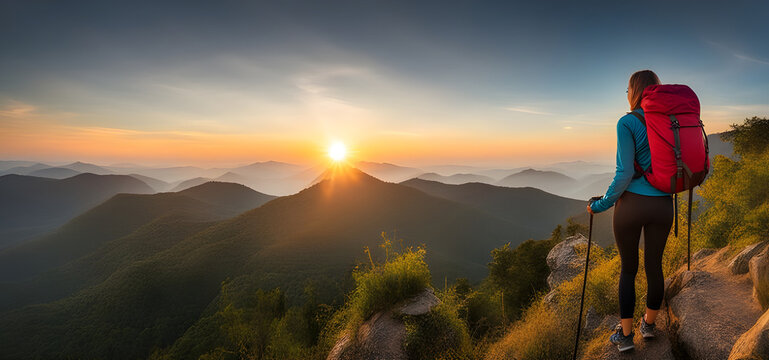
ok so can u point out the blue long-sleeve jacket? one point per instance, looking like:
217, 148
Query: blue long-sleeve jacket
632, 144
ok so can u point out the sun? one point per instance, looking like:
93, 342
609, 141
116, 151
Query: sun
337, 151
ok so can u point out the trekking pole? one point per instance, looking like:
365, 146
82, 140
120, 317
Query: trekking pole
584, 281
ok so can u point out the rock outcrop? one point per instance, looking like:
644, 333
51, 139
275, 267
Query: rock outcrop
740, 263
753, 344
759, 275
709, 308
381, 337
564, 261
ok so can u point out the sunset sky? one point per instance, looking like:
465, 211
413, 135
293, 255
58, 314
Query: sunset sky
414, 83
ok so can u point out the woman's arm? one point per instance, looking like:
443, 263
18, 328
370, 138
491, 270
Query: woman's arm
625, 169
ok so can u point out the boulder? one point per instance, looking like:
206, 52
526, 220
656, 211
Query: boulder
740, 264
702, 254
381, 337
759, 275
709, 308
754, 344
421, 304
564, 261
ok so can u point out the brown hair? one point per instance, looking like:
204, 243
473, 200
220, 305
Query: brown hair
638, 82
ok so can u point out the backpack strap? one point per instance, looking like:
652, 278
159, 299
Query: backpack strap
639, 116
639, 171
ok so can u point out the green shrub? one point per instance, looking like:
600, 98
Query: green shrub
520, 273
737, 192
482, 311
440, 334
377, 287
386, 284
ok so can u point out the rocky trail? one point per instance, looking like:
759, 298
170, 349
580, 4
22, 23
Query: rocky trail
710, 312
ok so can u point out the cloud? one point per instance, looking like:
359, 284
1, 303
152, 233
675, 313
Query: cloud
737, 54
752, 59
16, 109
527, 111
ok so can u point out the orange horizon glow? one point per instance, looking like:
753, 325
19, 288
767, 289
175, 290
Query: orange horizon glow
90, 144
27, 135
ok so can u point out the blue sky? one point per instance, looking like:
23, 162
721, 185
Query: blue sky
485, 83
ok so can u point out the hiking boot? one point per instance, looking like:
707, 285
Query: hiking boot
647, 330
624, 343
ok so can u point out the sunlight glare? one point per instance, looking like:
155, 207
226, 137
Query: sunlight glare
337, 151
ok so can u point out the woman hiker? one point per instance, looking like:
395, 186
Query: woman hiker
637, 205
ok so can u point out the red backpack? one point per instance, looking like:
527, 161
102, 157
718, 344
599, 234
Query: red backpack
677, 141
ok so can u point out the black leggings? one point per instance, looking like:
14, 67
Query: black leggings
655, 215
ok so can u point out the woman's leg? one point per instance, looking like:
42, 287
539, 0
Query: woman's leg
627, 232
655, 237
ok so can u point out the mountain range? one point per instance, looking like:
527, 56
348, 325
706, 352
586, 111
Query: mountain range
31, 206
149, 265
123, 229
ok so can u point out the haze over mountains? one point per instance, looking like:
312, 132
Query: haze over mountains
27, 218
120, 252
279, 178
31, 206
111, 254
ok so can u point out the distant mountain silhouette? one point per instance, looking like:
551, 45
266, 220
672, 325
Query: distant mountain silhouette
267, 170
527, 207
87, 168
578, 169
155, 184
498, 174
31, 205
177, 173
233, 178
718, 146
457, 178
125, 228
550, 181
55, 173
451, 169
388, 172
318, 233
592, 185
186, 184
270, 177
24, 169
7, 164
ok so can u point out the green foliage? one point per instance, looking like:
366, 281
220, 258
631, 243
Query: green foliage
439, 334
751, 137
573, 228
377, 287
519, 273
254, 326
481, 309
737, 201
557, 234
383, 285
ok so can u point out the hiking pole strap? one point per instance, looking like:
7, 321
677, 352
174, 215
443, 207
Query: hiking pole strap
584, 285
